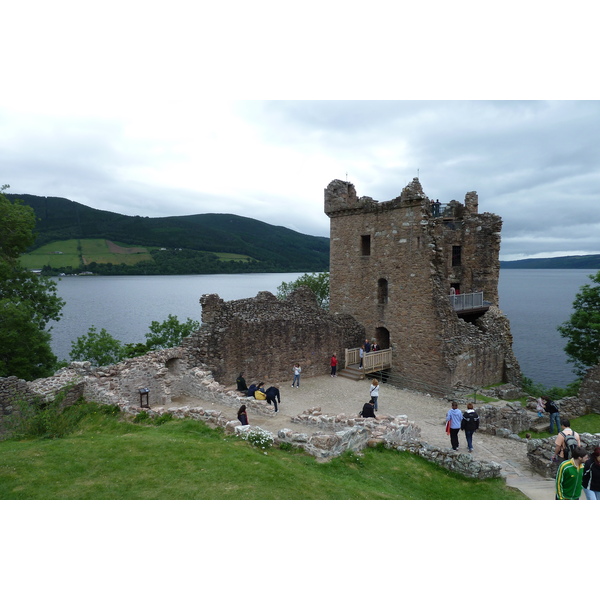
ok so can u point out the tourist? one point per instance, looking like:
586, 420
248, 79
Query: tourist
297, 370
241, 383
454, 417
368, 409
569, 477
374, 391
333, 363
273, 396
259, 392
374, 346
554, 412
361, 354
540, 407
250, 393
438, 205
470, 424
591, 476
367, 346
566, 440
243, 415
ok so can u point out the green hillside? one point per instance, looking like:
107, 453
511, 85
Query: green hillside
207, 243
591, 261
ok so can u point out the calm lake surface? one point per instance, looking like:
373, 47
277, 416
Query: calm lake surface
535, 300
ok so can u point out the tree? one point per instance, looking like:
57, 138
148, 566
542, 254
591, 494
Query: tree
169, 333
29, 301
99, 348
583, 328
317, 282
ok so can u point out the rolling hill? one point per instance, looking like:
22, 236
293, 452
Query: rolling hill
203, 243
591, 261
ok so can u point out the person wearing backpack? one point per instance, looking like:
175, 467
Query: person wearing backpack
470, 424
554, 414
569, 477
566, 440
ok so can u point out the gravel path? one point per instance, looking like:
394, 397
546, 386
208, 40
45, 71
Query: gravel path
337, 395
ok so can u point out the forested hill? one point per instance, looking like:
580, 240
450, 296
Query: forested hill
591, 261
271, 248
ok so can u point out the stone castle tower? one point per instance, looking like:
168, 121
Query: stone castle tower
423, 280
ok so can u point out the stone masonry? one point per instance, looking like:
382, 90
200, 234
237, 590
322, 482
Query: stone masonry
263, 337
392, 267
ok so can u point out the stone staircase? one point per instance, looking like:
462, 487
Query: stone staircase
352, 372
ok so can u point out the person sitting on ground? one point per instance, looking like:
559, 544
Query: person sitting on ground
250, 392
565, 441
243, 415
241, 383
368, 410
259, 392
273, 396
569, 477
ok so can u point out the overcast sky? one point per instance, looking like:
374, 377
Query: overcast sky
161, 109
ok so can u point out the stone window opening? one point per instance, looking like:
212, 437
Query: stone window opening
456, 256
382, 291
365, 245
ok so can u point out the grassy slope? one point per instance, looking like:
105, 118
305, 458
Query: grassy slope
109, 458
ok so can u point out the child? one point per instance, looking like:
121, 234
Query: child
540, 407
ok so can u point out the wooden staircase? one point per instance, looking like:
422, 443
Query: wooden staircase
352, 372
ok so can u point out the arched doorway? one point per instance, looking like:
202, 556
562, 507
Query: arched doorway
382, 335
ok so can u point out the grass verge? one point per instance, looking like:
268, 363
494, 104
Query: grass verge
108, 457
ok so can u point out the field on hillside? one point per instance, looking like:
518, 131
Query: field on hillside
73, 253
77, 252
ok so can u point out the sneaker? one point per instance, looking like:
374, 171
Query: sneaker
470, 449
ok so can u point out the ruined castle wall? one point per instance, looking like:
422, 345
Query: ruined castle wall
264, 337
590, 388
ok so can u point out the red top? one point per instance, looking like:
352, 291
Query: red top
334, 361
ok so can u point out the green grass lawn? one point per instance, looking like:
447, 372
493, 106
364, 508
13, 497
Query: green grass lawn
110, 457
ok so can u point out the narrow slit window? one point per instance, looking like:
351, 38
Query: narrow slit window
456, 256
382, 291
365, 245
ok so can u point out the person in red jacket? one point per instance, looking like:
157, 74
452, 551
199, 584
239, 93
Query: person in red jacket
334, 364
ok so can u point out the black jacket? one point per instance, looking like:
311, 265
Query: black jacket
591, 475
470, 421
368, 410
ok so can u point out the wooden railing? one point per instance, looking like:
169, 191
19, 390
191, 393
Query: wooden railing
372, 361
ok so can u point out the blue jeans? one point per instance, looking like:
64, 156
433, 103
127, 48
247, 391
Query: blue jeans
591, 494
469, 436
555, 418
296, 381
375, 398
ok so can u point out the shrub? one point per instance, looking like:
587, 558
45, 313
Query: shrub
258, 437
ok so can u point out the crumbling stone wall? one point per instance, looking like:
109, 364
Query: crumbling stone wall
392, 265
590, 388
540, 452
263, 337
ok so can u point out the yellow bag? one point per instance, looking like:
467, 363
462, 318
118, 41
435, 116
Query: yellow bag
260, 395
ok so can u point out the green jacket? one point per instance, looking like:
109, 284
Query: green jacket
569, 481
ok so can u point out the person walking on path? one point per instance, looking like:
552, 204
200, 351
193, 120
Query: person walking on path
591, 476
470, 424
297, 371
569, 477
374, 391
554, 414
566, 440
454, 417
368, 409
333, 363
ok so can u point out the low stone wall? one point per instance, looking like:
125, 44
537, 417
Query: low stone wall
541, 452
456, 462
498, 420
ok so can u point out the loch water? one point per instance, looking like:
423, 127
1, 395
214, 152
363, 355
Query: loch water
535, 300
